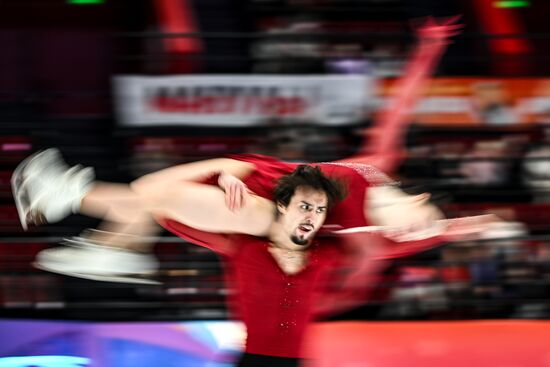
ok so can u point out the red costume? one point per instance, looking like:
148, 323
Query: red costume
358, 178
276, 307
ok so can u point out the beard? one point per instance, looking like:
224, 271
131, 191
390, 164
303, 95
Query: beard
301, 241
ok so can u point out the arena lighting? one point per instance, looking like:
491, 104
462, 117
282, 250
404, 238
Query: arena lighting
85, 2
45, 361
511, 4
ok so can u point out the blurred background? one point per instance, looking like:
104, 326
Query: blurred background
133, 86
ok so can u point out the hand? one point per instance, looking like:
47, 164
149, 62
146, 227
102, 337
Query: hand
235, 190
434, 30
405, 234
470, 228
456, 229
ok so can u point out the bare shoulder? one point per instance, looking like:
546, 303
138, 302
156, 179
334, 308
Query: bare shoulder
256, 217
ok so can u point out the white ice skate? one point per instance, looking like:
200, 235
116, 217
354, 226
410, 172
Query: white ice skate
78, 257
46, 189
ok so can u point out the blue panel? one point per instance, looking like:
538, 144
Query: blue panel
124, 353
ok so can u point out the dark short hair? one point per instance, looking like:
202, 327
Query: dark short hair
312, 177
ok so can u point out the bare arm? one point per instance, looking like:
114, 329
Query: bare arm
203, 207
175, 193
192, 172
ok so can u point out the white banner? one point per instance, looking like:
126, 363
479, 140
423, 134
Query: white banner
241, 100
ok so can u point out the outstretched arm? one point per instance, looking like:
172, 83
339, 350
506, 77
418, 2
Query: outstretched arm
362, 265
383, 142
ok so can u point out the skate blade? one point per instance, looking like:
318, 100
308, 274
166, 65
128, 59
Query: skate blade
121, 278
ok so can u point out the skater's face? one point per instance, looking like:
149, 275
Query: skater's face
304, 214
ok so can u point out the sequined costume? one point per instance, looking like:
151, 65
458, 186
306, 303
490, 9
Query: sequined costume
277, 307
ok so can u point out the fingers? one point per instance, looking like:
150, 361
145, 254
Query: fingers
242, 196
227, 197
232, 199
404, 234
441, 31
438, 28
468, 228
235, 195
235, 200
235, 191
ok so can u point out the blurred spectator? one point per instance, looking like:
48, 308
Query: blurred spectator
521, 283
455, 276
387, 60
418, 293
484, 269
300, 143
153, 154
285, 143
542, 258
290, 56
486, 164
491, 105
448, 159
536, 167
347, 59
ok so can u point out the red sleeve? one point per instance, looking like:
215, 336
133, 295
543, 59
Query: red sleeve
268, 171
218, 242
